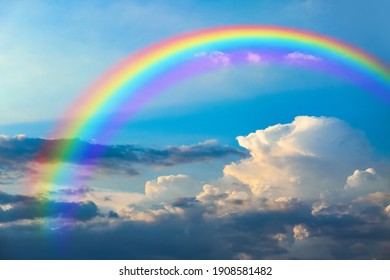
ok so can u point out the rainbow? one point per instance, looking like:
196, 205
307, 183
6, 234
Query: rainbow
129, 85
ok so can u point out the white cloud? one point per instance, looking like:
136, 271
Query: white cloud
364, 182
253, 58
226, 199
220, 58
6, 207
216, 57
4, 138
280, 236
360, 178
300, 232
167, 188
298, 56
304, 158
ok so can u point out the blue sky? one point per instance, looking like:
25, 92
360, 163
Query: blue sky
43, 47
219, 153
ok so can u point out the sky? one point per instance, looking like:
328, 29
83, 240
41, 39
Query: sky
244, 162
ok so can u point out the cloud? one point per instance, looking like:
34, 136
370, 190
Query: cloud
253, 58
216, 57
387, 210
310, 156
19, 154
286, 200
359, 178
301, 232
19, 207
301, 57
272, 234
363, 182
168, 188
307, 161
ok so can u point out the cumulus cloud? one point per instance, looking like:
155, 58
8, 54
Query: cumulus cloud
359, 178
300, 232
303, 159
363, 182
288, 165
168, 188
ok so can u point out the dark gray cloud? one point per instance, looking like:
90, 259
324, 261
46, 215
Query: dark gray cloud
30, 149
257, 235
16, 152
20, 207
80, 191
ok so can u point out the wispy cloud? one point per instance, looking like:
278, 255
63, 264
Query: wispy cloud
216, 57
253, 58
300, 57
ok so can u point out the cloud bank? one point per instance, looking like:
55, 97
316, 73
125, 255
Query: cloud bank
309, 189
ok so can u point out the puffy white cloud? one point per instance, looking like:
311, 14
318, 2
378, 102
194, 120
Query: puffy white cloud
168, 188
305, 158
365, 186
363, 182
359, 178
301, 232
6, 207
